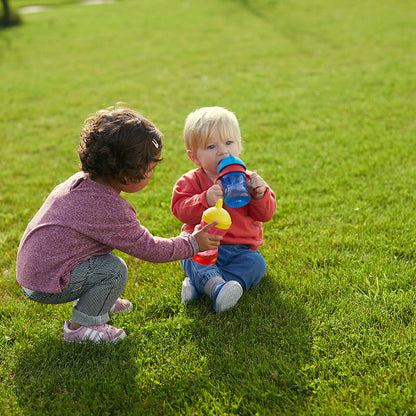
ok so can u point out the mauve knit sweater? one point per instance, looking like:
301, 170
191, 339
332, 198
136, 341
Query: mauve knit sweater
82, 218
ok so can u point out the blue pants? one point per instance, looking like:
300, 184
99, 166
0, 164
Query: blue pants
235, 262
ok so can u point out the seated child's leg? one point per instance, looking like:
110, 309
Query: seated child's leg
239, 263
208, 280
101, 281
199, 274
189, 292
224, 295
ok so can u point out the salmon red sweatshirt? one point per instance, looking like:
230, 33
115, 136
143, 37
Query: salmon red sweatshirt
189, 203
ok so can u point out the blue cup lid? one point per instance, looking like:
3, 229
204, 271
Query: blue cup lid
230, 160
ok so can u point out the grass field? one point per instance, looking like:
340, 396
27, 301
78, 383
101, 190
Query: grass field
326, 97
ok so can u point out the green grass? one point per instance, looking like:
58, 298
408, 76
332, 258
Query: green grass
326, 98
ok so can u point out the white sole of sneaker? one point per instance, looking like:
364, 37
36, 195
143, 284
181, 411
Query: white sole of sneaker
229, 295
187, 295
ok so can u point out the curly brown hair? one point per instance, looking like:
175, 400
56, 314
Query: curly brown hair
118, 143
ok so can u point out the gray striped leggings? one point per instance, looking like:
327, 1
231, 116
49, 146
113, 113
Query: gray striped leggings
95, 283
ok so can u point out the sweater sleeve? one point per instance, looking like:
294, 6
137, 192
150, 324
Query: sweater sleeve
138, 242
113, 222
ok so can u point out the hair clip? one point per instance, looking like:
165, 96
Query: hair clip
155, 143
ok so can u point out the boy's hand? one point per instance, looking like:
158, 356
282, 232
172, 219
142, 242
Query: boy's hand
256, 186
214, 194
207, 241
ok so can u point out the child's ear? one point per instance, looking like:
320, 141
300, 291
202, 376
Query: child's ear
193, 157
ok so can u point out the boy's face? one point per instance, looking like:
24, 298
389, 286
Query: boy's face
215, 150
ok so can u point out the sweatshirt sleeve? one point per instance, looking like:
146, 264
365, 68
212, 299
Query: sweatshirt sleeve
263, 209
188, 200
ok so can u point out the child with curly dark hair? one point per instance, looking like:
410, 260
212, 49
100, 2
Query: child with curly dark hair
65, 253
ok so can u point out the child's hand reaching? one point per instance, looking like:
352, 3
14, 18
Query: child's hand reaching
207, 241
256, 186
214, 194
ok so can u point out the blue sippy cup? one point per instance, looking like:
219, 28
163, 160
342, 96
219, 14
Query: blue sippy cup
233, 176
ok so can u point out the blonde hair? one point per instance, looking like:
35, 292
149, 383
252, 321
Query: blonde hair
203, 122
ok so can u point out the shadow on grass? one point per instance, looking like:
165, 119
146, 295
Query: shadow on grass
253, 355
54, 377
178, 359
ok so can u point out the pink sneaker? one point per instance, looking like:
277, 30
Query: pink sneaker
95, 333
121, 306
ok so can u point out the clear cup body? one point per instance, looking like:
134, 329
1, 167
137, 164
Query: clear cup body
235, 189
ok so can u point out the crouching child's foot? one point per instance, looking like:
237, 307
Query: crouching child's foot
121, 307
95, 333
